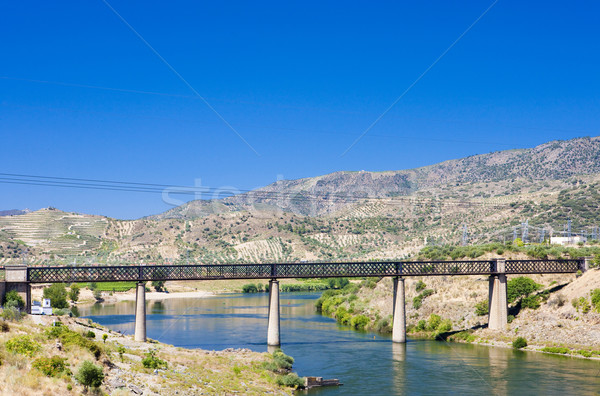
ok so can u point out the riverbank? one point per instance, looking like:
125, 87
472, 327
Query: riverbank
123, 363
560, 315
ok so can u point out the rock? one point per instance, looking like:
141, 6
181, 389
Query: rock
135, 389
116, 383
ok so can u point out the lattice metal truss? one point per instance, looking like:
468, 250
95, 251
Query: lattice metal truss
543, 266
293, 270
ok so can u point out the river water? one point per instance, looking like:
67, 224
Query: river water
365, 363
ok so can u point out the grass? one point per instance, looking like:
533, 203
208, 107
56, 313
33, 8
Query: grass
111, 286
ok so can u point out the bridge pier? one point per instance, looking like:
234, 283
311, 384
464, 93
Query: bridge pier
399, 322
140, 312
16, 279
497, 302
273, 327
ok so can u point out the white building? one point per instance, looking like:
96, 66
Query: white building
574, 240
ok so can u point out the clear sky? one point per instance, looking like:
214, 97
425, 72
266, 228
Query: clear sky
298, 81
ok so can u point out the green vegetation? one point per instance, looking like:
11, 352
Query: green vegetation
151, 361
71, 338
74, 292
13, 299
539, 251
307, 285
281, 364
290, 380
52, 367
433, 327
595, 297
560, 350
110, 286
23, 345
482, 308
418, 300
159, 286
519, 343
90, 375
520, 287
582, 304
465, 336
57, 293
420, 285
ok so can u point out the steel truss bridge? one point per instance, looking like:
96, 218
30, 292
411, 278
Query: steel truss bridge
143, 273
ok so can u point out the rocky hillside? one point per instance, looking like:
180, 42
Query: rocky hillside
552, 161
483, 198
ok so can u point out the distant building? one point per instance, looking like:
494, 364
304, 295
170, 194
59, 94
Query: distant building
575, 239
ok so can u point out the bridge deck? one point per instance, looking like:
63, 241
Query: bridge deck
66, 274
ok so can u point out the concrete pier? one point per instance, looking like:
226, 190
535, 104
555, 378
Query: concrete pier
497, 303
399, 324
16, 279
273, 328
140, 312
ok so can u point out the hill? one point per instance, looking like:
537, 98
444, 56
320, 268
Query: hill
530, 193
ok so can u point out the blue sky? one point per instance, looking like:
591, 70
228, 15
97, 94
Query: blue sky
299, 81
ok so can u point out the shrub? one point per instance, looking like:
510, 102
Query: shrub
4, 327
74, 292
359, 322
581, 303
519, 343
12, 314
98, 295
90, 375
420, 286
560, 350
249, 288
445, 326
89, 334
482, 308
520, 287
151, 361
422, 325
559, 300
75, 311
13, 299
51, 367
23, 345
104, 337
338, 283
121, 350
417, 301
158, 286
532, 302
69, 337
282, 361
291, 380
596, 299
510, 318
57, 293
433, 322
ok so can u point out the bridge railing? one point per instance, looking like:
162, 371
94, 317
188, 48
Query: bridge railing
543, 266
294, 270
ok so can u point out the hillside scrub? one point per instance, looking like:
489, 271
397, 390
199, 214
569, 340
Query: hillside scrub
59, 360
538, 251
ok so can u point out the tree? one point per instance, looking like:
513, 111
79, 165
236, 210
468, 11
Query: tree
520, 287
74, 292
158, 285
13, 299
57, 293
90, 375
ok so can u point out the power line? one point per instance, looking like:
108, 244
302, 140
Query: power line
300, 196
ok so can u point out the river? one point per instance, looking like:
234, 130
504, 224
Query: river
366, 363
